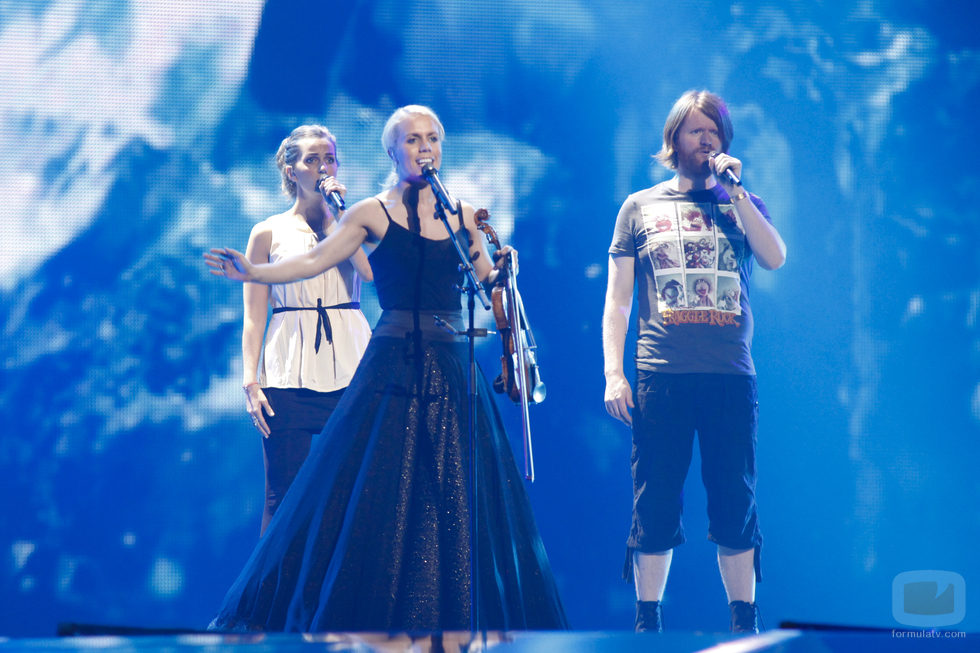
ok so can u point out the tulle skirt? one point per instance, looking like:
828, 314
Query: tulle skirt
374, 534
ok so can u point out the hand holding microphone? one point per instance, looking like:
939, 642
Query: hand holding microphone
727, 175
330, 189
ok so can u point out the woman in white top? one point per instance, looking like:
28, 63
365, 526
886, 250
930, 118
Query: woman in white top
317, 333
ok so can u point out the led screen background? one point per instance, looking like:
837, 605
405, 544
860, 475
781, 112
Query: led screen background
137, 134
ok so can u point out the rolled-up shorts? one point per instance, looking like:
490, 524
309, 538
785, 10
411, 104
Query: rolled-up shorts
723, 411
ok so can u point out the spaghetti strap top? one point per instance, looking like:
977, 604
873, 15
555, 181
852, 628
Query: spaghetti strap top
416, 273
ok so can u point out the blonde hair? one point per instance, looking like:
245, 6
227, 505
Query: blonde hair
289, 151
710, 105
389, 135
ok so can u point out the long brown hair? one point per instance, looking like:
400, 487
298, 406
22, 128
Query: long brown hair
710, 105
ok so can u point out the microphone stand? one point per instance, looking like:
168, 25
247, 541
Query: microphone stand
473, 289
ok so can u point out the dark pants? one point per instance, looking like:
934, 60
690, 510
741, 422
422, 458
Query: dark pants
299, 415
722, 409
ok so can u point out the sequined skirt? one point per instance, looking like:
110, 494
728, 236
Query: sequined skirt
374, 534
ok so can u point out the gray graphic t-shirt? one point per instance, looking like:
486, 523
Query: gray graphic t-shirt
692, 269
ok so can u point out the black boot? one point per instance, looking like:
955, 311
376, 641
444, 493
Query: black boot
649, 617
745, 617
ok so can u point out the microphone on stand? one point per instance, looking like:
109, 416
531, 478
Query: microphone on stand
728, 174
432, 176
333, 197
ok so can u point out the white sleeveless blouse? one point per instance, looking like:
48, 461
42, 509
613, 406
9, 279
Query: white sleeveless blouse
290, 359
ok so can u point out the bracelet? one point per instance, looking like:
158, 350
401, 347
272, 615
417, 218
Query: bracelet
249, 385
741, 196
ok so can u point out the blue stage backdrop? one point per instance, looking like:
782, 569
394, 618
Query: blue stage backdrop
135, 134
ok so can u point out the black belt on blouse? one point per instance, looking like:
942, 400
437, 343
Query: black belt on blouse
322, 319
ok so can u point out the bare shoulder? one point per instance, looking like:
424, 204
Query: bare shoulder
368, 214
264, 227
262, 231
368, 204
260, 239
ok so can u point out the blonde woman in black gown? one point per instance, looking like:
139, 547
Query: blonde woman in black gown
374, 534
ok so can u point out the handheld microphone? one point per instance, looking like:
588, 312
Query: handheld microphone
728, 174
333, 197
432, 176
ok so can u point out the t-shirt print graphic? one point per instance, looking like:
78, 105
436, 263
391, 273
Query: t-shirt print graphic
695, 250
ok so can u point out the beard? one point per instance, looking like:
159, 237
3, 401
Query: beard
691, 165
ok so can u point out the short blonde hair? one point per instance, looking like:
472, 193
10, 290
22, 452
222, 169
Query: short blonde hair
389, 135
289, 151
710, 105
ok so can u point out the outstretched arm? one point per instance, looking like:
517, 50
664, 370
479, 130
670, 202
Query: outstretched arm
338, 246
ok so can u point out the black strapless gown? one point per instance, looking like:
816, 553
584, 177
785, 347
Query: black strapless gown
374, 534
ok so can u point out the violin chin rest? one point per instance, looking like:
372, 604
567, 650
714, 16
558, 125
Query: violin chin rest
498, 385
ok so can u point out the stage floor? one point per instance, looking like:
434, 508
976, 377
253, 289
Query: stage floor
781, 640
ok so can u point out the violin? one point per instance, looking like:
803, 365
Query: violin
520, 376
